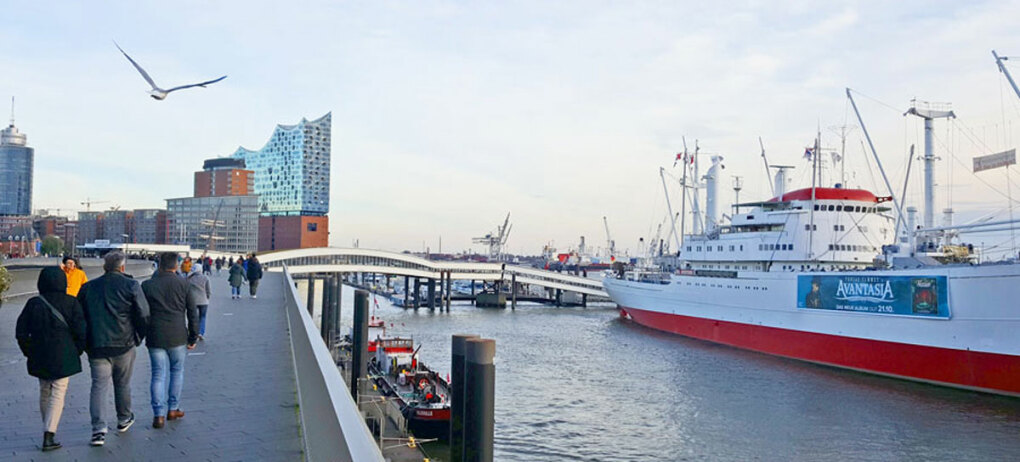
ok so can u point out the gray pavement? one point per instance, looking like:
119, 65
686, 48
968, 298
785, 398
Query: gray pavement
239, 394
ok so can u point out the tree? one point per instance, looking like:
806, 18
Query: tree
5, 281
52, 245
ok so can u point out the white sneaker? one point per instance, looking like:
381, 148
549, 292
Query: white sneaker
254, 296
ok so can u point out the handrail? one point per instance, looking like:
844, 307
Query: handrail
331, 424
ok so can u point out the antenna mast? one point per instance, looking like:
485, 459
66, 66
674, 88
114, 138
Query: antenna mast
929, 112
998, 60
12, 110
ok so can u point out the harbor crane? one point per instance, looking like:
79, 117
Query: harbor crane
88, 203
610, 243
496, 240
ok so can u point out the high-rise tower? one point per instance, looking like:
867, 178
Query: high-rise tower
16, 161
292, 182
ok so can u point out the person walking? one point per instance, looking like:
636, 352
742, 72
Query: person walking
75, 276
116, 321
51, 334
172, 331
203, 291
254, 275
219, 265
236, 278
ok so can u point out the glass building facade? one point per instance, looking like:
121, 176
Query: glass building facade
223, 223
16, 160
292, 169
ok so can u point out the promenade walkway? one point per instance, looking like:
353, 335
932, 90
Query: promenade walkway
239, 393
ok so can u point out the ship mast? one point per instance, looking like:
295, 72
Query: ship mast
929, 114
814, 177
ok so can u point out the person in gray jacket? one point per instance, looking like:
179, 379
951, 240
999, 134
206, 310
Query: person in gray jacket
172, 331
116, 321
203, 291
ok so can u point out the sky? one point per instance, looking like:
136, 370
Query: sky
447, 115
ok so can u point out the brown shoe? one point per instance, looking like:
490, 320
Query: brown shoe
175, 414
158, 422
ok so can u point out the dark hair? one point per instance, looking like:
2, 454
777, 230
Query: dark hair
113, 261
68, 257
167, 261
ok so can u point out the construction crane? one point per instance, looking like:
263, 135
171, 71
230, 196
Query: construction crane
610, 243
88, 203
496, 240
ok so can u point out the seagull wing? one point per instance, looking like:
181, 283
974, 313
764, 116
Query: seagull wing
196, 84
145, 75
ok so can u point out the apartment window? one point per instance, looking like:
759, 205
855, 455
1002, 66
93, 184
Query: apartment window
313, 227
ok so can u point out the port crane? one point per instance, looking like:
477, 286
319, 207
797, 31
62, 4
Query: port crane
496, 240
610, 243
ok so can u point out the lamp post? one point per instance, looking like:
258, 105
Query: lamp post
125, 236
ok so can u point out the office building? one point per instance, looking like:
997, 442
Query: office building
291, 174
149, 226
222, 223
16, 161
224, 177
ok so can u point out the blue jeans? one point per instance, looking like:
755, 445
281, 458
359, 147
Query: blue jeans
202, 310
167, 361
235, 290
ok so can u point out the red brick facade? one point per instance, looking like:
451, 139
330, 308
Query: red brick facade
293, 232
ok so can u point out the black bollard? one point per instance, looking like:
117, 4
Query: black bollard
432, 294
457, 350
407, 290
479, 399
513, 291
360, 348
310, 305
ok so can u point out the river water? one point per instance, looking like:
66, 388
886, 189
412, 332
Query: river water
583, 384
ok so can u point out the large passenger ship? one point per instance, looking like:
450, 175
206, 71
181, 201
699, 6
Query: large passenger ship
829, 275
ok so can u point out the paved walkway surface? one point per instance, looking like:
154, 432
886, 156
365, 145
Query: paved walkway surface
239, 393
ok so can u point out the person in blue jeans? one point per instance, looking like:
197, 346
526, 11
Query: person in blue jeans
173, 329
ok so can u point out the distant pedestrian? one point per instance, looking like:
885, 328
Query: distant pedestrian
75, 276
116, 319
200, 285
254, 275
51, 333
172, 331
185, 267
219, 265
236, 278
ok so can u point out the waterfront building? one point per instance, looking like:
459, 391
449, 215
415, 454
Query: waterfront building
118, 226
90, 227
20, 241
222, 223
16, 161
149, 226
46, 225
224, 177
291, 174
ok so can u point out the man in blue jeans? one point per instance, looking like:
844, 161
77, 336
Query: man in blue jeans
173, 329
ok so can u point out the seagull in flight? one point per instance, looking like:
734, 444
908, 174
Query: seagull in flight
159, 93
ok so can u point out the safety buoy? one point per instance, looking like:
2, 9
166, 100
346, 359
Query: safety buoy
422, 384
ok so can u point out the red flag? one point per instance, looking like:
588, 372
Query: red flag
679, 156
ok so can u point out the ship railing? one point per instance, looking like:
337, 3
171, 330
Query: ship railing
648, 276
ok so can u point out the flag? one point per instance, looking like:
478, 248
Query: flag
679, 156
836, 157
808, 153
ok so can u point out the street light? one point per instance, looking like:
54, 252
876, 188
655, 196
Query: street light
125, 236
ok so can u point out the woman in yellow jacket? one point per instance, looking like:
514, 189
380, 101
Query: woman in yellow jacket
75, 276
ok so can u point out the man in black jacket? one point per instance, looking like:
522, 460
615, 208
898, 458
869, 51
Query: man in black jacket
174, 327
116, 319
254, 275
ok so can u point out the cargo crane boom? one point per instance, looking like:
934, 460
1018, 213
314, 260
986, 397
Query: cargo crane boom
496, 240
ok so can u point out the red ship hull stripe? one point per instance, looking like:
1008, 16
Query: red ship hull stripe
989, 372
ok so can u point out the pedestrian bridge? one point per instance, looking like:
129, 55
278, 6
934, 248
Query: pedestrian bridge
341, 260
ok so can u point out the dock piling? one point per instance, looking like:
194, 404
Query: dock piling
310, 304
479, 399
360, 347
457, 351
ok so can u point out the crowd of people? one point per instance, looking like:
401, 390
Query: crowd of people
109, 317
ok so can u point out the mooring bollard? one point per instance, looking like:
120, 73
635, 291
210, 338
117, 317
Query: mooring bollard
360, 353
338, 288
324, 312
457, 350
479, 399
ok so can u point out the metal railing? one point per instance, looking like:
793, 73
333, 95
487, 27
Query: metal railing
331, 425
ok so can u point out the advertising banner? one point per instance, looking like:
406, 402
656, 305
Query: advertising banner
1002, 159
924, 296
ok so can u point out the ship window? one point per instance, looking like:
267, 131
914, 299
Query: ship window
719, 248
830, 247
839, 208
741, 247
731, 248
835, 227
708, 248
699, 248
816, 207
807, 227
832, 207
750, 217
791, 246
